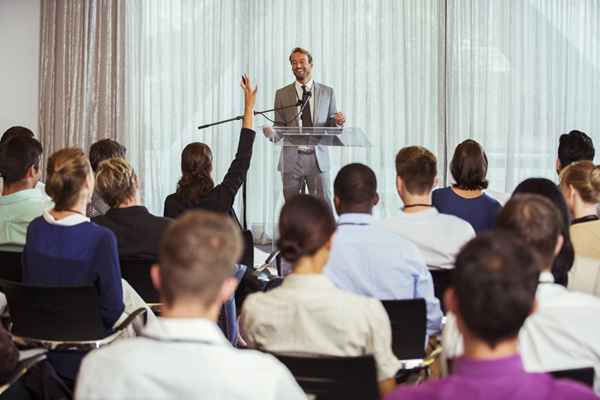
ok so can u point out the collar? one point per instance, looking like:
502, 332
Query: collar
587, 218
186, 329
21, 195
129, 211
494, 368
309, 85
307, 281
546, 277
71, 220
355, 219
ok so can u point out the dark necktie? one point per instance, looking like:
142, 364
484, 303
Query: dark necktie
306, 118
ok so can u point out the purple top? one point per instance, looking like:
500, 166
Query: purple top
498, 379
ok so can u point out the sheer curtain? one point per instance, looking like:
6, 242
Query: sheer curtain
520, 73
184, 60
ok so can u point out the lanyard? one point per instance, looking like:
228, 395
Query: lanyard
353, 223
168, 340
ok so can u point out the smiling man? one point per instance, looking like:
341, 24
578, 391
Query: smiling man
305, 165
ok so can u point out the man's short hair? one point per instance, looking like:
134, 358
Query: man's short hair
495, 279
355, 184
197, 253
469, 166
17, 155
15, 131
535, 221
574, 146
105, 149
302, 51
417, 167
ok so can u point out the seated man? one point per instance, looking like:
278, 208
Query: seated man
437, 236
493, 292
563, 333
184, 355
307, 314
100, 151
21, 201
367, 259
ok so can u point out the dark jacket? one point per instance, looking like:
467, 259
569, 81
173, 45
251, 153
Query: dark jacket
138, 232
222, 196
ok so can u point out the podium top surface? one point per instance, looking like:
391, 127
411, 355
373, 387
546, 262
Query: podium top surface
321, 136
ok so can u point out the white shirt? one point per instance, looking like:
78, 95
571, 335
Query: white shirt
369, 260
439, 237
564, 333
311, 99
183, 359
307, 314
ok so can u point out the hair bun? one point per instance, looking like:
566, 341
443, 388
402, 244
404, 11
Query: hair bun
290, 250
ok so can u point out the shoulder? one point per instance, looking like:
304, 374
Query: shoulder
491, 202
455, 224
426, 391
439, 192
324, 87
284, 89
564, 388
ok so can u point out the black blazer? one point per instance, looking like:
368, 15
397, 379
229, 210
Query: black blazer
222, 196
138, 232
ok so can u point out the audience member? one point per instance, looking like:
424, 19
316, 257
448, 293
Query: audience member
307, 313
184, 355
17, 131
138, 232
196, 189
563, 262
466, 199
493, 292
437, 236
21, 202
102, 150
573, 146
9, 356
368, 260
63, 248
580, 185
563, 332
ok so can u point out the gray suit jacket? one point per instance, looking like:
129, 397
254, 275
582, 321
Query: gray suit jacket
323, 115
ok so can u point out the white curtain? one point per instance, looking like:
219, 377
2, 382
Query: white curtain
184, 60
520, 73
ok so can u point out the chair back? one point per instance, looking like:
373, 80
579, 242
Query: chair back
54, 313
581, 375
137, 274
10, 266
409, 327
328, 377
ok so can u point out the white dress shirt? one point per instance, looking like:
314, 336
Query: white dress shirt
307, 314
564, 332
439, 237
311, 99
183, 359
368, 260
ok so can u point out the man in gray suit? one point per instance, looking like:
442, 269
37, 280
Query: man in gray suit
305, 165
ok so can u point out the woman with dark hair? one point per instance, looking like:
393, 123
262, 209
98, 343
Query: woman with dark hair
545, 187
307, 313
196, 188
466, 199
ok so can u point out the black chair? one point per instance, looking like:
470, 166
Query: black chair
408, 319
8, 390
581, 375
137, 274
328, 377
442, 280
10, 266
59, 318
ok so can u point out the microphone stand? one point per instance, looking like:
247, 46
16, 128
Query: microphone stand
239, 117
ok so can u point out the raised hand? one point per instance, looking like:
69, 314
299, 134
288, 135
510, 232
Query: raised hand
249, 93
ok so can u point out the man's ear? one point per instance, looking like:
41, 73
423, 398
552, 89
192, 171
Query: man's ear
557, 166
534, 307
559, 244
227, 289
450, 301
155, 276
436, 181
337, 202
399, 184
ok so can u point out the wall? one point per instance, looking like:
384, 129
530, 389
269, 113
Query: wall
19, 63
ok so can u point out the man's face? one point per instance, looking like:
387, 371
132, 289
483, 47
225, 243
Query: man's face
301, 68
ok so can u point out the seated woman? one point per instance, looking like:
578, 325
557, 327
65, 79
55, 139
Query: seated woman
466, 199
196, 188
63, 248
138, 232
307, 313
580, 184
563, 262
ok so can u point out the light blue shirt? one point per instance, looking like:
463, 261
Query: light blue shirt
367, 259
